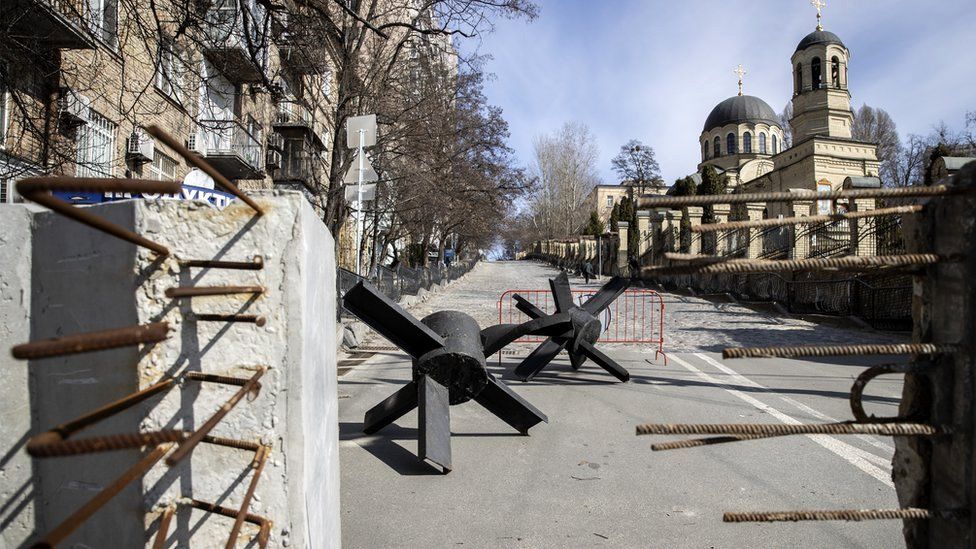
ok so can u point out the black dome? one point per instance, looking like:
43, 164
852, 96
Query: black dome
741, 108
819, 37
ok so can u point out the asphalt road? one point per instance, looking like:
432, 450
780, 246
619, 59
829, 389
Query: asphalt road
585, 480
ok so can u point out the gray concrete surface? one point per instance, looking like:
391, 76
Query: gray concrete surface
84, 280
585, 480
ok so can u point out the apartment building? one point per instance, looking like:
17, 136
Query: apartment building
246, 87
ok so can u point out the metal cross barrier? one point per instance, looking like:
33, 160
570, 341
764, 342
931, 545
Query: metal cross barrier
934, 430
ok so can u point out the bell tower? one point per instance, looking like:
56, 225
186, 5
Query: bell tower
821, 100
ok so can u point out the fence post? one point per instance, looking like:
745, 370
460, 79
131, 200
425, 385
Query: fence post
674, 230
801, 242
695, 219
721, 212
754, 235
654, 238
864, 235
622, 232
644, 233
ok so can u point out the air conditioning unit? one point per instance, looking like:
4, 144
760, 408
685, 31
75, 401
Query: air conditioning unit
276, 142
196, 145
73, 107
272, 159
139, 148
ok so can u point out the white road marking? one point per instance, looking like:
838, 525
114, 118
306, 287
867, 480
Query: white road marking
742, 380
849, 453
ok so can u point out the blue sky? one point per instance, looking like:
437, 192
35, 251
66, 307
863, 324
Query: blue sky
653, 69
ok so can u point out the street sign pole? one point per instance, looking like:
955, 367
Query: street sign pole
359, 207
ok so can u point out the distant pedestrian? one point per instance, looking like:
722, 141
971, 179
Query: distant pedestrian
588, 272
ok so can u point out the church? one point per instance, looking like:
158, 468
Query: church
743, 138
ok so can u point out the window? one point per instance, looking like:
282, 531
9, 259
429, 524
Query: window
799, 78
327, 83
717, 149
705, 150
762, 143
730, 147
747, 143
163, 167
775, 145
4, 117
103, 17
815, 72
609, 201
824, 207
170, 71
835, 72
96, 147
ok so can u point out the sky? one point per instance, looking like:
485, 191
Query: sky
653, 69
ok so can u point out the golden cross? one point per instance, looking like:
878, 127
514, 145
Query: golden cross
740, 71
820, 5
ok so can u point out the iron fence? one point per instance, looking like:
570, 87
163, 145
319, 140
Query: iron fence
403, 281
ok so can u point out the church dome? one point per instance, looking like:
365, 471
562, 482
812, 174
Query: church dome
819, 37
741, 108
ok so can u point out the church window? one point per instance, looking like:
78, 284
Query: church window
835, 72
762, 143
705, 150
775, 145
815, 71
718, 147
799, 78
730, 144
747, 143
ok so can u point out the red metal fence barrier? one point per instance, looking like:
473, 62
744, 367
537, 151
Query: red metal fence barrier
637, 316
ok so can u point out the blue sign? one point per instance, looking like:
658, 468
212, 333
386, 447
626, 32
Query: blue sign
217, 199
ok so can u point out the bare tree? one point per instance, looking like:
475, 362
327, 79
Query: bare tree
784, 122
875, 125
636, 165
565, 166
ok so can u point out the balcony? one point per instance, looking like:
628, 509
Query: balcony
59, 24
298, 51
296, 120
297, 165
226, 46
230, 149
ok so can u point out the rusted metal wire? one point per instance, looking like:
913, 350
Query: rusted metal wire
93, 341
780, 429
50, 444
37, 189
709, 265
260, 458
198, 162
857, 390
731, 225
198, 435
910, 513
232, 443
840, 350
216, 378
264, 524
160, 540
68, 428
197, 291
209, 317
70, 524
699, 442
646, 202
256, 265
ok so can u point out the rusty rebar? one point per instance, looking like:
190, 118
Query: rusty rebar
49, 444
160, 540
93, 341
197, 436
68, 428
645, 202
210, 317
857, 389
785, 221
712, 265
780, 429
203, 165
217, 378
70, 524
910, 513
198, 291
232, 443
256, 265
840, 350
260, 458
37, 189
264, 524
